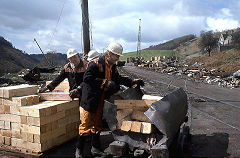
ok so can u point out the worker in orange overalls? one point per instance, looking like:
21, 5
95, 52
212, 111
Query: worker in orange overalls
100, 81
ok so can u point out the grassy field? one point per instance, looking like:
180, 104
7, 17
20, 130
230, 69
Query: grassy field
147, 54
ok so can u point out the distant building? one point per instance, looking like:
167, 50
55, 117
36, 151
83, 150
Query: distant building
225, 39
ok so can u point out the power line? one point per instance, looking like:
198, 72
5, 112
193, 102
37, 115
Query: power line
58, 20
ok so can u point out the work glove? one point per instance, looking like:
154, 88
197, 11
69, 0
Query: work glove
76, 92
43, 89
138, 82
73, 93
110, 85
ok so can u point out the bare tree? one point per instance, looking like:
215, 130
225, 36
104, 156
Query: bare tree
236, 40
207, 42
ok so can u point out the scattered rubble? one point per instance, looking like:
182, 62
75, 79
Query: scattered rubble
173, 66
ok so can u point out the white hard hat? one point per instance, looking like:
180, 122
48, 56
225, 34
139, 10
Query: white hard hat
92, 54
115, 48
71, 52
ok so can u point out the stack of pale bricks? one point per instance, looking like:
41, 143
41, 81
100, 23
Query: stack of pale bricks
130, 115
30, 125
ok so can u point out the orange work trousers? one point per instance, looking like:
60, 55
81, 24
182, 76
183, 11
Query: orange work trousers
92, 122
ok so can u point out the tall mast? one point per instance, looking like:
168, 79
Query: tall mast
85, 26
139, 40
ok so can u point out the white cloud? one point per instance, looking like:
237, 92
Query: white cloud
226, 12
117, 20
221, 24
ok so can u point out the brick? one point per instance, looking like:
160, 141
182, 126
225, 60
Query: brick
55, 125
44, 108
136, 126
6, 101
55, 96
27, 137
6, 133
16, 134
29, 129
23, 119
36, 138
133, 104
20, 101
140, 116
1, 124
7, 125
35, 99
147, 128
10, 118
7, 141
14, 109
52, 118
126, 126
15, 126
26, 100
67, 120
43, 137
33, 121
29, 100
53, 110
1, 140
1, 108
62, 87
7, 109
34, 147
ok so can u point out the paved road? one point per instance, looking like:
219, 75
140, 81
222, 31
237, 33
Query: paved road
215, 125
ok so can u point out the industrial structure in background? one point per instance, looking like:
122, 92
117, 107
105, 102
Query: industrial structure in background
139, 41
138, 57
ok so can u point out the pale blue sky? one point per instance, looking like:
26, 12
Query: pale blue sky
111, 20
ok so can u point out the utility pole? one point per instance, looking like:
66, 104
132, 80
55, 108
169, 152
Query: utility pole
85, 26
139, 41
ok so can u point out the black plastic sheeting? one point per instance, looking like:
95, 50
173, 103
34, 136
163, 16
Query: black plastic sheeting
167, 115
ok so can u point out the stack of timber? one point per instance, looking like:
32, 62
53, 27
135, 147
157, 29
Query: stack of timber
30, 125
131, 117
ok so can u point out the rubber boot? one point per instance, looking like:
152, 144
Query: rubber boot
79, 146
96, 150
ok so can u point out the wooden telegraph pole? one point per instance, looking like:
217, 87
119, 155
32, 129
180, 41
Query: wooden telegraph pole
85, 26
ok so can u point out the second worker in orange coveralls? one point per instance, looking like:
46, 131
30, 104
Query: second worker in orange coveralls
100, 81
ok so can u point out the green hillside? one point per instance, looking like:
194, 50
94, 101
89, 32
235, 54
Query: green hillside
147, 54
